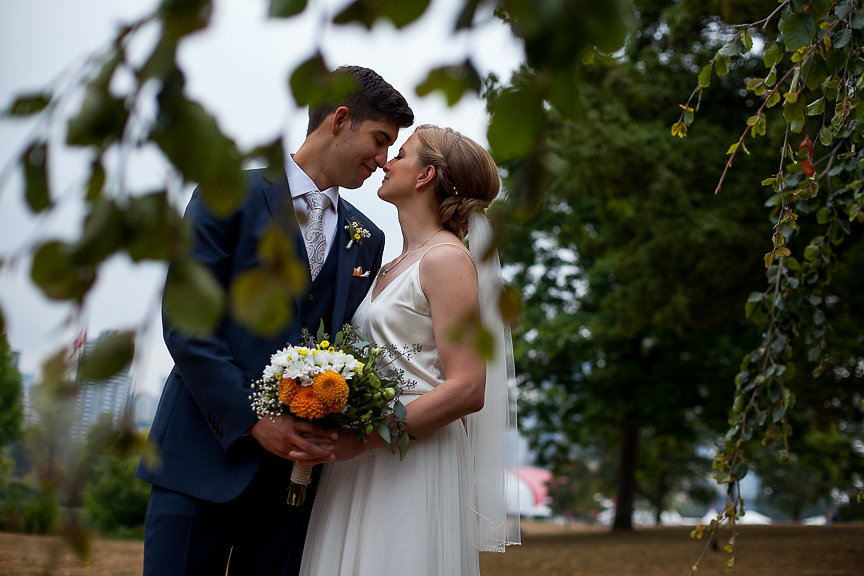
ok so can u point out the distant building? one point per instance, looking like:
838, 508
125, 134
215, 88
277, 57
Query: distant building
95, 399
144, 410
27, 383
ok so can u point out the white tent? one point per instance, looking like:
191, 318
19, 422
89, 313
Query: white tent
527, 494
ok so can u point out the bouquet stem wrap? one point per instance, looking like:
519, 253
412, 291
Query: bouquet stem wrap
301, 477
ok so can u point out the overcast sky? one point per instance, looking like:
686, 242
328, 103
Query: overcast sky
237, 68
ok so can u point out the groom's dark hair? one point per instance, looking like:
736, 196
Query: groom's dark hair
370, 98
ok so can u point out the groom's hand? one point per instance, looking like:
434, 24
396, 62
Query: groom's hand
294, 439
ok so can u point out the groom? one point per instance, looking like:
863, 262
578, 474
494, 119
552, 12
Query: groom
220, 484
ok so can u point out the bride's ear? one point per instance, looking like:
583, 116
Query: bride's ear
425, 176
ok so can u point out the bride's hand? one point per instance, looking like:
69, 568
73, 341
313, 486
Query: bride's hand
345, 447
294, 439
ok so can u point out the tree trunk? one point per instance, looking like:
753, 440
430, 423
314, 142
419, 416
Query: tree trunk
626, 477
660, 500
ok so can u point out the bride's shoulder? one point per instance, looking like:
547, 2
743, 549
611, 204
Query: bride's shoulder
446, 253
446, 261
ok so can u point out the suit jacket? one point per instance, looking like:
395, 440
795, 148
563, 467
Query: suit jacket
205, 409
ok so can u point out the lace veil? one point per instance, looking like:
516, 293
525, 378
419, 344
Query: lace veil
492, 432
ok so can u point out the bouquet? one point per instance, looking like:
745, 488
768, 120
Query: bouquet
346, 384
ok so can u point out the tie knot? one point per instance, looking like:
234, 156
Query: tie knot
316, 200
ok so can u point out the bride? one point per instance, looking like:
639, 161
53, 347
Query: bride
426, 515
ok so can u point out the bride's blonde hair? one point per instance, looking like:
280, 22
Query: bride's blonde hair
466, 177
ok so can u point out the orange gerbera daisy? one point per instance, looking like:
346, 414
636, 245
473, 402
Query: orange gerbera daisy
331, 389
306, 404
287, 389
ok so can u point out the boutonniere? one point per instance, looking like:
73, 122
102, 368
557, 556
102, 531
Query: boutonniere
356, 232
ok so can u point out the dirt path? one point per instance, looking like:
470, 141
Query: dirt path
547, 550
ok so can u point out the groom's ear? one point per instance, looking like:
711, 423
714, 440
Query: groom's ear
425, 176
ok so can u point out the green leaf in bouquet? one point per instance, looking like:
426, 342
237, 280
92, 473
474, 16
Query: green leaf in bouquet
108, 357
321, 335
384, 431
403, 445
399, 410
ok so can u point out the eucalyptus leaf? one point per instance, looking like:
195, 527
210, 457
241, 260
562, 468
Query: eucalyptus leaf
797, 30
705, 75
191, 139
739, 471
108, 357
384, 432
260, 302
842, 38
55, 271
35, 161
100, 120
313, 83
29, 104
515, 124
102, 234
366, 12
96, 181
771, 56
286, 8
452, 81
154, 229
721, 65
193, 299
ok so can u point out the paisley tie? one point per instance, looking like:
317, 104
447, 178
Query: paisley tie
314, 235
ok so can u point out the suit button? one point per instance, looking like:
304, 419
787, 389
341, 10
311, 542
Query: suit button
310, 297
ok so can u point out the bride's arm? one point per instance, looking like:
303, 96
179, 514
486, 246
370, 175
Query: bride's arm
449, 280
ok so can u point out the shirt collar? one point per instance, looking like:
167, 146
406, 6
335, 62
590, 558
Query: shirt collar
299, 183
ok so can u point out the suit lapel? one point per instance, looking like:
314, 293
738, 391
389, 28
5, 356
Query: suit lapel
344, 265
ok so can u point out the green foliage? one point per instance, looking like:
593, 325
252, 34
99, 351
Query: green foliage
110, 355
640, 270
11, 396
810, 85
23, 509
114, 499
629, 269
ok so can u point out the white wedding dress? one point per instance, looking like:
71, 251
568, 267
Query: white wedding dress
375, 515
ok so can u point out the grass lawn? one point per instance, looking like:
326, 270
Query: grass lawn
547, 550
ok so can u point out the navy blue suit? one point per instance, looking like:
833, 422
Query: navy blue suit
208, 469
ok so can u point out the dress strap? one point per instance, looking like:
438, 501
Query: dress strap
462, 246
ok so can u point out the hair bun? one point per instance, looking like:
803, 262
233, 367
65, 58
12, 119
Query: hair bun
466, 177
